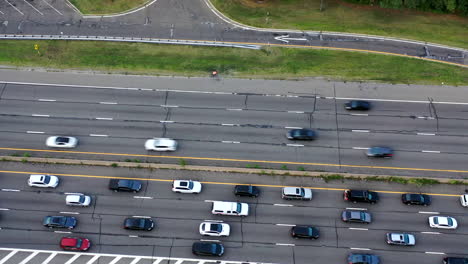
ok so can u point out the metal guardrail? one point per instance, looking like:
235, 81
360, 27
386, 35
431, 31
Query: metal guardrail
130, 39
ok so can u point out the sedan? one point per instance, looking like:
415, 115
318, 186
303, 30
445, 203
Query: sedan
357, 105
75, 243
161, 144
246, 190
214, 228
182, 186
356, 217
416, 199
46, 181
402, 239
301, 134
379, 152
78, 199
363, 259
305, 232
125, 185
61, 142
464, 200
455, 260
208, 249
139, 223
443, 222
60, 222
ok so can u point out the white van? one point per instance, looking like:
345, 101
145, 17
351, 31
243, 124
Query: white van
230, 208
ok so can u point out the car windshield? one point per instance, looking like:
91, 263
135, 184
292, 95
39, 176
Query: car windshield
405, 239
62, 140
370, 196
449, 221
239, 207
79, 242
81, 199
46, 179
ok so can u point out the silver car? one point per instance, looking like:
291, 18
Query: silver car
44, 181
61, 142
161, 144
78, 199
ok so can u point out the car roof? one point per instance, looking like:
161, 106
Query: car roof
69, 241
291, 190
73, 198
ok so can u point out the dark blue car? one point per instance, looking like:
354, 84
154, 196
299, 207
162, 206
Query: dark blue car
60, 222
301, 134
363, 259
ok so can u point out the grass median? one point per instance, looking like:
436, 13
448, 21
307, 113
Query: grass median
345, 17
277, 63
106, 6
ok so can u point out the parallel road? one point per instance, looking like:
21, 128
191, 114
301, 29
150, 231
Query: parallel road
197, 20
261, 237
236, 129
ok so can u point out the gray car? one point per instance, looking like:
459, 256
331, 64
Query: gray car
296, 193
351, 216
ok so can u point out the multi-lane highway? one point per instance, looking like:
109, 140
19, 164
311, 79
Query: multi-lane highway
222, 128
195, 20
261, 237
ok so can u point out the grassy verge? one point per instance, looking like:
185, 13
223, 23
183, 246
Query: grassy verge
106, 6
279, 63
345, 17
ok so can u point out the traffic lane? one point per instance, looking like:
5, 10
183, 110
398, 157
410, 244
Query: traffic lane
396, 109
82, 94
452, 126
271, 233
452, 111
304, 104
404, 142
206, 100
387, 124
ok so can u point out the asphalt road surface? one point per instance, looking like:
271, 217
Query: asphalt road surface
261, 237
235, 129
192, 20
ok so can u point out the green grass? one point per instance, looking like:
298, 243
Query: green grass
344, 17
106, 6
279, 63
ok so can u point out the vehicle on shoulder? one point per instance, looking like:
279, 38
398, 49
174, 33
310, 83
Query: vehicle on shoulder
357, 105
161, 144
214, 228
43, 181
363, 259
61, 142
75, 243
443, 222
416, 199
184, 186
361, 196
230, 208
355, 216
139, 223
402, 239
60, 222
296, 193
78, 199
309, 232
455, 260
301, 134
246, 190
464, 200
118, 185
208, 249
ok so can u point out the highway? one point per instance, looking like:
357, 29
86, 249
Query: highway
235, 129
261, 237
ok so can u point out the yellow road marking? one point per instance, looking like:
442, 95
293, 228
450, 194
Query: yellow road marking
239, 160
207, 182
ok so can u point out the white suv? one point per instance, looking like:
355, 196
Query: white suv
214, 228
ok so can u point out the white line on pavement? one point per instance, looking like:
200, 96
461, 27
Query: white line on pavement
7, 257
424, 212
425, 134
356, 228
430, 151
104, 118
62, 232
141, 216
4, 209
360, 248
209, 240
97, 135
47, 100
48, 259
431, 233
360, 114
227, 124
159, 260
10, 190
295, 112
69, 213
34, 132
166, 121
143, 197
110, 103
115, 260
52, 7
33, 7
92, 260
285, 225
70, 261
230, 142
14, 7
435, 253
361, 131
294, 145
133, 236
138, 259
283, 205
38, 115
209, 201
352, 208
281, 244
169, 106
359, 148
293, 127
28, 258
234, 109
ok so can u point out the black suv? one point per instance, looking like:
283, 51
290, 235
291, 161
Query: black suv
305, 232
246, 190
361, 196
208, 249
452, 260
125, 185
357, 105
139, 223
416, 199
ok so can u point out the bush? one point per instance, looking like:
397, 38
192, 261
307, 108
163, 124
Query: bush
114, 165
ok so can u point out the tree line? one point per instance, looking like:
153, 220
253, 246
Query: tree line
444, 6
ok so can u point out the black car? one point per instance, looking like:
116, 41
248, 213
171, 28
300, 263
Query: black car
361, 196
363, 259
125, 185
416, 199
60, 222
246, 190
379, 152
208, 249
357, 105
305, 232
452, 260
356, 217
139, 223
301, 134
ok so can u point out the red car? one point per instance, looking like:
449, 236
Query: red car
75, 243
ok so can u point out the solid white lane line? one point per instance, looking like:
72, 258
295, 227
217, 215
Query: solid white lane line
283, 205
360, 114
97, 135
104, 118
434, 253
360, 148
52, 7
38, 115
431, 233
34, 132
32, 255
360, 131
69, 213
47, 100
209, 201
134, 236
360, 248
293, 127
209, 240
294, 145
282, 244
430, 151
230, 142
295, 112
285, 225
10, 190
354, 208
166, 121
425, 212
48, 259
227, 124
7, 257
356, 228
4, 209
70, 261
110, 103
62, 232
143, 197
425, 134
396, 100
141, 216
92, 260
169, 106
234, 109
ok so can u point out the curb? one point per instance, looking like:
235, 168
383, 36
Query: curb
272, 172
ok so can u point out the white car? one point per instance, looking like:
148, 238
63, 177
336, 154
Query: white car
443, 222
464, 200
39, 180
214, 228
61, 142
183, 186
161, 144
78, 199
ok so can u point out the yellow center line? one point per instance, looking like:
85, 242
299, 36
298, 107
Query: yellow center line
207, 182
239, 160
